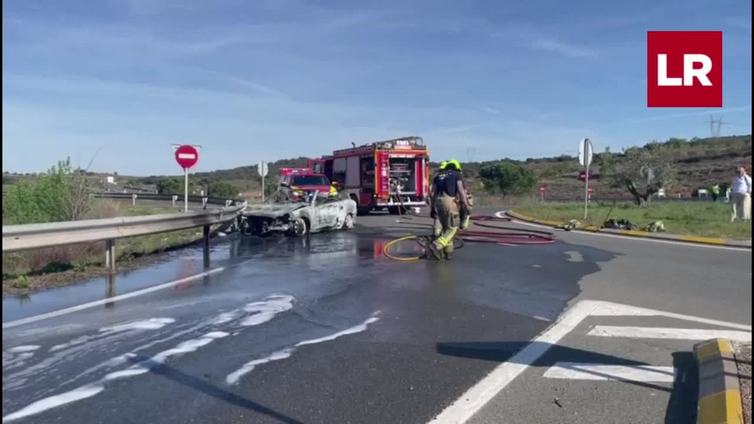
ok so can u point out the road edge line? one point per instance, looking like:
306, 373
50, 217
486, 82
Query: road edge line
124, 296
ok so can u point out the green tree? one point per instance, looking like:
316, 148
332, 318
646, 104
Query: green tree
222, 189
507, 178
169, 185
641, 171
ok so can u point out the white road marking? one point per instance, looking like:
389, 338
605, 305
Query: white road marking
125, 296
668, 333
477, 396
617, 309
638, 373
501, 214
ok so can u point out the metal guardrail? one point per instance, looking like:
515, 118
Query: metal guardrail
204, 200
33, 236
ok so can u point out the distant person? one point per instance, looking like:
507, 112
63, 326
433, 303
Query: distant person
715, 192
741, 195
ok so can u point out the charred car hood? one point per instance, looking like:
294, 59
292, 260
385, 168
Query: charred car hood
272, 210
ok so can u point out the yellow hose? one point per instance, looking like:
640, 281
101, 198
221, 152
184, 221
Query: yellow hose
386, 250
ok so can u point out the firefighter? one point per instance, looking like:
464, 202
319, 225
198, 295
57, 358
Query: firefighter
448, 193
334, 189
437, 227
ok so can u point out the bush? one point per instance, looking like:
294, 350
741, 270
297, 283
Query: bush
59, 195
222, 189
507, 178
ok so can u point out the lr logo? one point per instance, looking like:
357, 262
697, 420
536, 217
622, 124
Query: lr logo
684, 69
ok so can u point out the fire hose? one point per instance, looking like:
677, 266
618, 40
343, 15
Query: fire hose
509, 236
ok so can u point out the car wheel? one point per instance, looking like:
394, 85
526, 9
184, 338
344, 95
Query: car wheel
348, 222
299, 227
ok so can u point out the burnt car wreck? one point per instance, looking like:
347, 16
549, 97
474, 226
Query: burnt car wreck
298, 215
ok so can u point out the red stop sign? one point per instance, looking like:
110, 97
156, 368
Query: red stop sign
186, 156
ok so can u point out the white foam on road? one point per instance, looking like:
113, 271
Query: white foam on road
42, 405
145, 324
139, 325
266, 310
668, 333
236, 375
246, 368
23, 348
353, 330
92, 389
226, 317
635, 373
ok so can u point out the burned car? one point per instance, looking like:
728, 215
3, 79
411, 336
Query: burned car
298, 215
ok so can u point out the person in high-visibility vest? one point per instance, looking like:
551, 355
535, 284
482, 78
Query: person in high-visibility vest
334, 189
448, 192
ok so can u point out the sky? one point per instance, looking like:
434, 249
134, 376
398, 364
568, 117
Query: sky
114, 84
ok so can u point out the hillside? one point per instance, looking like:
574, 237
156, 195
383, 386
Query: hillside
700, 162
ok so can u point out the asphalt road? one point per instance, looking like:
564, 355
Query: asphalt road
327, 330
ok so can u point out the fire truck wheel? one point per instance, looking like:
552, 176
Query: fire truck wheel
396, 210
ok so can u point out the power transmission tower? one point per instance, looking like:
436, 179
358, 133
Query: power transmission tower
715, 126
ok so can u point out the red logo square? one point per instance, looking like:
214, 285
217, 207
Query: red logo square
684, 68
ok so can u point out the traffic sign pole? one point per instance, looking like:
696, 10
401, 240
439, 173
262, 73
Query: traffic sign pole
586, 192
263, 173
585, 159
185, 189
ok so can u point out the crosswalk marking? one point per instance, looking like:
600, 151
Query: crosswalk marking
638, 373
668, 333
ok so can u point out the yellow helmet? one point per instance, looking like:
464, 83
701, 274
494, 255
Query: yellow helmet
455, 163
443, 164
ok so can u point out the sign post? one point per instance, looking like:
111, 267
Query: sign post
262, 169
187, 156
542, 190
585, 159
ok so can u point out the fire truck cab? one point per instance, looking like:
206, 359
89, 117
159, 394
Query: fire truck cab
389, 174
304, 179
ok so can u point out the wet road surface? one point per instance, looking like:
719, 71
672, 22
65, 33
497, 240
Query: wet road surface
323, 329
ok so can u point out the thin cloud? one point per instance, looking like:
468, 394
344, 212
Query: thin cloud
563, 49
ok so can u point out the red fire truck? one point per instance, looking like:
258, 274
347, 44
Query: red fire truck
384, 174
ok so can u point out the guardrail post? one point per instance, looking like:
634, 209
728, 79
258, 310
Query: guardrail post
110, 255
228, 203
204, 202
110, 290
133, 199
205, 244
175, 198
